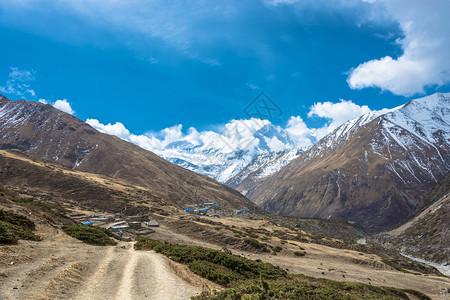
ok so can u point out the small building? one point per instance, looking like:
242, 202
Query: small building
100, 220
137, 218
241, 211
119, 227
87, 223
134, 225
152, 223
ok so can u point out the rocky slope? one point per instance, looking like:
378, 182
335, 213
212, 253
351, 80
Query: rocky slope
47, 133
260, 167
426, 234
372, 170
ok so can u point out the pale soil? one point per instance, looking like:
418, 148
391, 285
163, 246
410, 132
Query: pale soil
60, 267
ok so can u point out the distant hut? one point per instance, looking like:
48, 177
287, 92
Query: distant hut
152, 223
134, 225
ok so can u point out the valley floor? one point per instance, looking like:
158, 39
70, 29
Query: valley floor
60, 267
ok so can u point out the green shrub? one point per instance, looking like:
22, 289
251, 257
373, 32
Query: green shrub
186, 254
16, 219
257, 245
214, 272
418, 294
54, 210
254, 279
7, 235
277, 249
300, 253
89, 234
14, 227
302, 287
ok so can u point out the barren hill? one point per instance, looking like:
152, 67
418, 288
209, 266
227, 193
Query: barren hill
45, 132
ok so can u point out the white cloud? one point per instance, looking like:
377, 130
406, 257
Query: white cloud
64, 105
117, 129
241, 134
21, 75
298, 130
426, 57
275, 144
18, 83
252, 86
336, 113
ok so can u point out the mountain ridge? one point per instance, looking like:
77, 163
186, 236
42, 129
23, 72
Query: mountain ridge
373, 173
44, 132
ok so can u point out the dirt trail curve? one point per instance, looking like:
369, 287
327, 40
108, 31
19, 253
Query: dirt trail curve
128, 274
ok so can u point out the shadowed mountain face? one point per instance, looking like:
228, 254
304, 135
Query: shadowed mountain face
373, 170
50, 134
426, 234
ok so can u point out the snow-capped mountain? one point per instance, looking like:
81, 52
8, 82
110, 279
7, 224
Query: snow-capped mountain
222, 156
373, 169
262, 166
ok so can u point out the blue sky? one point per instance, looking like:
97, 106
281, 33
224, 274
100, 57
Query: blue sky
154, 64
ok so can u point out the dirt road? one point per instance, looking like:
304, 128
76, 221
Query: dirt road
48, 270
125, 273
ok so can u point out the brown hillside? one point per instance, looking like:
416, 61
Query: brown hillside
47, 133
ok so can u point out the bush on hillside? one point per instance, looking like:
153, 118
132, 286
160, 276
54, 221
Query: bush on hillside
254, 279
14, 227
203, 260
89, 234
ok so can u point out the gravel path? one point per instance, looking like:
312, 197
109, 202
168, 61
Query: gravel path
125, 273
63, 268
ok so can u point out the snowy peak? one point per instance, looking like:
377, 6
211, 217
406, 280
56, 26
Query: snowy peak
262, 166
424, 117
222, 156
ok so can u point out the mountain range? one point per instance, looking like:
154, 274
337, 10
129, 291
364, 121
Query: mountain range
373, 170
